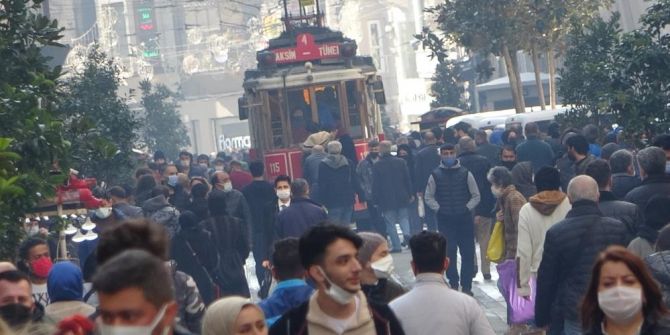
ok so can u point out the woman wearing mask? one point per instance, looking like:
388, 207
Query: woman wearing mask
623, 298
377, 265
233, 316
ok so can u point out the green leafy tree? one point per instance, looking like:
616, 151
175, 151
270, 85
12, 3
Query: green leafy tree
28, 93
163, 128
447, 88
100, 126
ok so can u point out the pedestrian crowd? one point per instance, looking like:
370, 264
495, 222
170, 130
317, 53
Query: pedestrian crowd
577, 232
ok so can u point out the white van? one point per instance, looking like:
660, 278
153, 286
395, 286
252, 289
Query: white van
474, 119
541, 118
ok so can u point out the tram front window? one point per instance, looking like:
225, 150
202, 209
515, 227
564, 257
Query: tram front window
328, 106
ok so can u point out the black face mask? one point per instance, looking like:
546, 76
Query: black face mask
508, 165
373, 155
15, 314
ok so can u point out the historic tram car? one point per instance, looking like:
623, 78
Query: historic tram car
308, 80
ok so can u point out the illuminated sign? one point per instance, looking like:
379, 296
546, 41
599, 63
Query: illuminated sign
306, 49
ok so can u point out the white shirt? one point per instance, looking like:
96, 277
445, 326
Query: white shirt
40, 294
283, 206
448, 309
341, 325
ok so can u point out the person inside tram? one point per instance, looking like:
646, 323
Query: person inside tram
299, 124
329, 109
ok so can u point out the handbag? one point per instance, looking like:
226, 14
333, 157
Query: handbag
520, 309
496, 249
210, 278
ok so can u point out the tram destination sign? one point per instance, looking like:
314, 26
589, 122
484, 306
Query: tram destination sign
306, 49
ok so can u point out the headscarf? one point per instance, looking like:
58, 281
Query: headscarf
522, 177
221, 315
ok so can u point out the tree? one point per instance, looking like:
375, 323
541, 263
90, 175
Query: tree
163, 128
99, 124
481, 27
28, 116
447, 88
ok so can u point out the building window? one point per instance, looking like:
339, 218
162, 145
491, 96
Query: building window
376, 45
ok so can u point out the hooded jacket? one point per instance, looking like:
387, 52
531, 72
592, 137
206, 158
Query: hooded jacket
522, 177
536, 217
159, 210
338, 182
66, 286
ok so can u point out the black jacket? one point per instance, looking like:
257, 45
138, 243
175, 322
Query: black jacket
391, 184
479, 166
338, 185
623, 183
302, 214
231, 239
659, 265
426, 160
294, 322
623, 211
536, 151
259, 194
491, 152
195, 254
570, 249
649, 187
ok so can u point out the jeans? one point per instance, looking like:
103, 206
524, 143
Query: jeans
572, 328
483, 234
400, 216
459, 232
415, 224
341, 215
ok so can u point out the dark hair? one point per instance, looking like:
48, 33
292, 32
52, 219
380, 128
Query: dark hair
282, 178
143, 172
579, 143
620, 161
447, 146
547, 179
438, 132
599, 170
429, 249
217, 203
507, 148
136, 269
188, 220
531, 128
299, 187
138, 234
657, 211
199, 191
117, 192
609, 149
462, 126
186, 153
286, 259
590, 132
14, 276
662, 141
592, 315
160, 190
159, 155
554, 129
314, 242
203, 157
256, 168
145, 186
24, 252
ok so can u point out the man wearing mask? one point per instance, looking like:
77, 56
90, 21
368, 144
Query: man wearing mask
185, 160
508, 157
328, 254
236, 205
452, 192
35, 260
17, 306
364, 173
427, 159
258, 195
133, 296
303, 213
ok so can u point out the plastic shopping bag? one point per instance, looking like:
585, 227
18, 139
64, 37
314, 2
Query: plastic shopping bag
420, 209
496, 249
520, 309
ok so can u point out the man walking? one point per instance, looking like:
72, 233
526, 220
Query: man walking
374, 222
337, 184
654, 180
623, 173
452, 192
392, 191
302, 214
578, 152
427, 160
535, 150
448, 311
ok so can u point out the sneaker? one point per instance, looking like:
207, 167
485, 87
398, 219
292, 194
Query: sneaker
487, 276
468, 292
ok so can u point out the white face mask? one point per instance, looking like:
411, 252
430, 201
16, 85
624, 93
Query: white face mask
620, 303
283, 194
32, 230
383, 267
218, 167
340, 295
496, 191
227, 187
103, 212
104, 329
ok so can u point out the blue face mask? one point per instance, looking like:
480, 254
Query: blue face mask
172, 180
449, 161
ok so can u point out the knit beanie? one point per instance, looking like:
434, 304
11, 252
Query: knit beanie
221, 315
547, 179
371, 241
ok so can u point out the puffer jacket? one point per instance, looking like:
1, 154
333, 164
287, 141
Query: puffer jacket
650, 186
659, 265
626, 212
570, 249
159, 210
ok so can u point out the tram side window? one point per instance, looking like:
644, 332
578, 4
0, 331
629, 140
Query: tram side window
275, 119
300, 115
353, 99
327, 102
